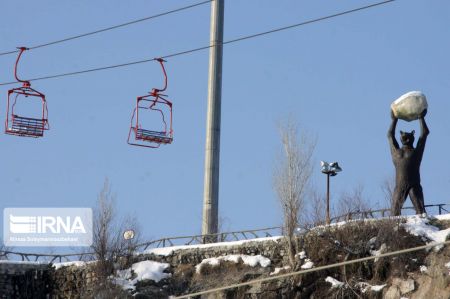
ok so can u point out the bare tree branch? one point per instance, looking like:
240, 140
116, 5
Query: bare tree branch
291, 179
387, 186
316, 208
353, 202
109, 244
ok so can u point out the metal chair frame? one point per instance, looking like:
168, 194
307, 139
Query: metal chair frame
140, 136
18, 125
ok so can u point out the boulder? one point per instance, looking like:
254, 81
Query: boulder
409, 106
405, 286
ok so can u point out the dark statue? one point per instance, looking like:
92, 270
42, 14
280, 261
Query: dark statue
407, 161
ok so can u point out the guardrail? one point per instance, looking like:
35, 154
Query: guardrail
219, 237
381, 212
163, 242
200, 239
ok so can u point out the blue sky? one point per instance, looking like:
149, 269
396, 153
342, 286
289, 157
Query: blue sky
336, 78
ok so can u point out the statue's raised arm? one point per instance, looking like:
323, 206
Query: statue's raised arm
424, 131
391, 133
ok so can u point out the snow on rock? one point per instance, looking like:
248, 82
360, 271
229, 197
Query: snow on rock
334, 282
419, 226
278, 270
251, 260
145, 270
150, 270
364, 286
379, 251
123, 279
423, 269
377, 288
67, 264
166, 251
443, 217
22, 262
301, 254
308, 264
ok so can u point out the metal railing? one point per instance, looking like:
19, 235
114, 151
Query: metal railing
219, 237
382, 212
42, 257
160, 243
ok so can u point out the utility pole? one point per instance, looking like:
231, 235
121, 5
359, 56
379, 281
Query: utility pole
212, 147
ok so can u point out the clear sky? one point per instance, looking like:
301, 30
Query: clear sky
337, 78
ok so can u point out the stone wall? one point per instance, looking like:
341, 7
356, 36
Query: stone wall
35, 280
72, 281
24, 280
270, 248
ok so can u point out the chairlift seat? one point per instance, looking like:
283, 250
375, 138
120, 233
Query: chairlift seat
153, 136
26, 126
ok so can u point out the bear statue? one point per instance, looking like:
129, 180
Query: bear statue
407, 161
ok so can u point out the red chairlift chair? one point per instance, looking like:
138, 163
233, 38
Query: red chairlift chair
18, 124
154, 105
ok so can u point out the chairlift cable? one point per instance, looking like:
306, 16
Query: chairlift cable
110, 28
210, 46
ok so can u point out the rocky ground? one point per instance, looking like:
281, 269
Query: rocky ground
421, 274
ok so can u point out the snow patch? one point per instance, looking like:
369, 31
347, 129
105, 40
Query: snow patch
334, 282
301, 254
423, 269
377, 288
67, 264
364, 286
308, 264
442, 217
278, 270
251, 260
166, 251
419, 226
145, 270
22, 262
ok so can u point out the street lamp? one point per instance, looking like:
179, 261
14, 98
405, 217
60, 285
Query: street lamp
128, 236
330, 169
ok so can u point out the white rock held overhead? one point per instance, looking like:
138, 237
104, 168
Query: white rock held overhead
409, 106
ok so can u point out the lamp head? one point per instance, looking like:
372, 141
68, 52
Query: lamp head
335, 167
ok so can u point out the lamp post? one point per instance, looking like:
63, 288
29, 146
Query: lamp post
128, 235
330, 169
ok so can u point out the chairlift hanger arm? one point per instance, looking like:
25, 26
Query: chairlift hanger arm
25, 83
156, 91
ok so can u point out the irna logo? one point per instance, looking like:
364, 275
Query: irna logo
47, 226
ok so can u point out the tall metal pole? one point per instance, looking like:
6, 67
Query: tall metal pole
212, 148
328, 199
